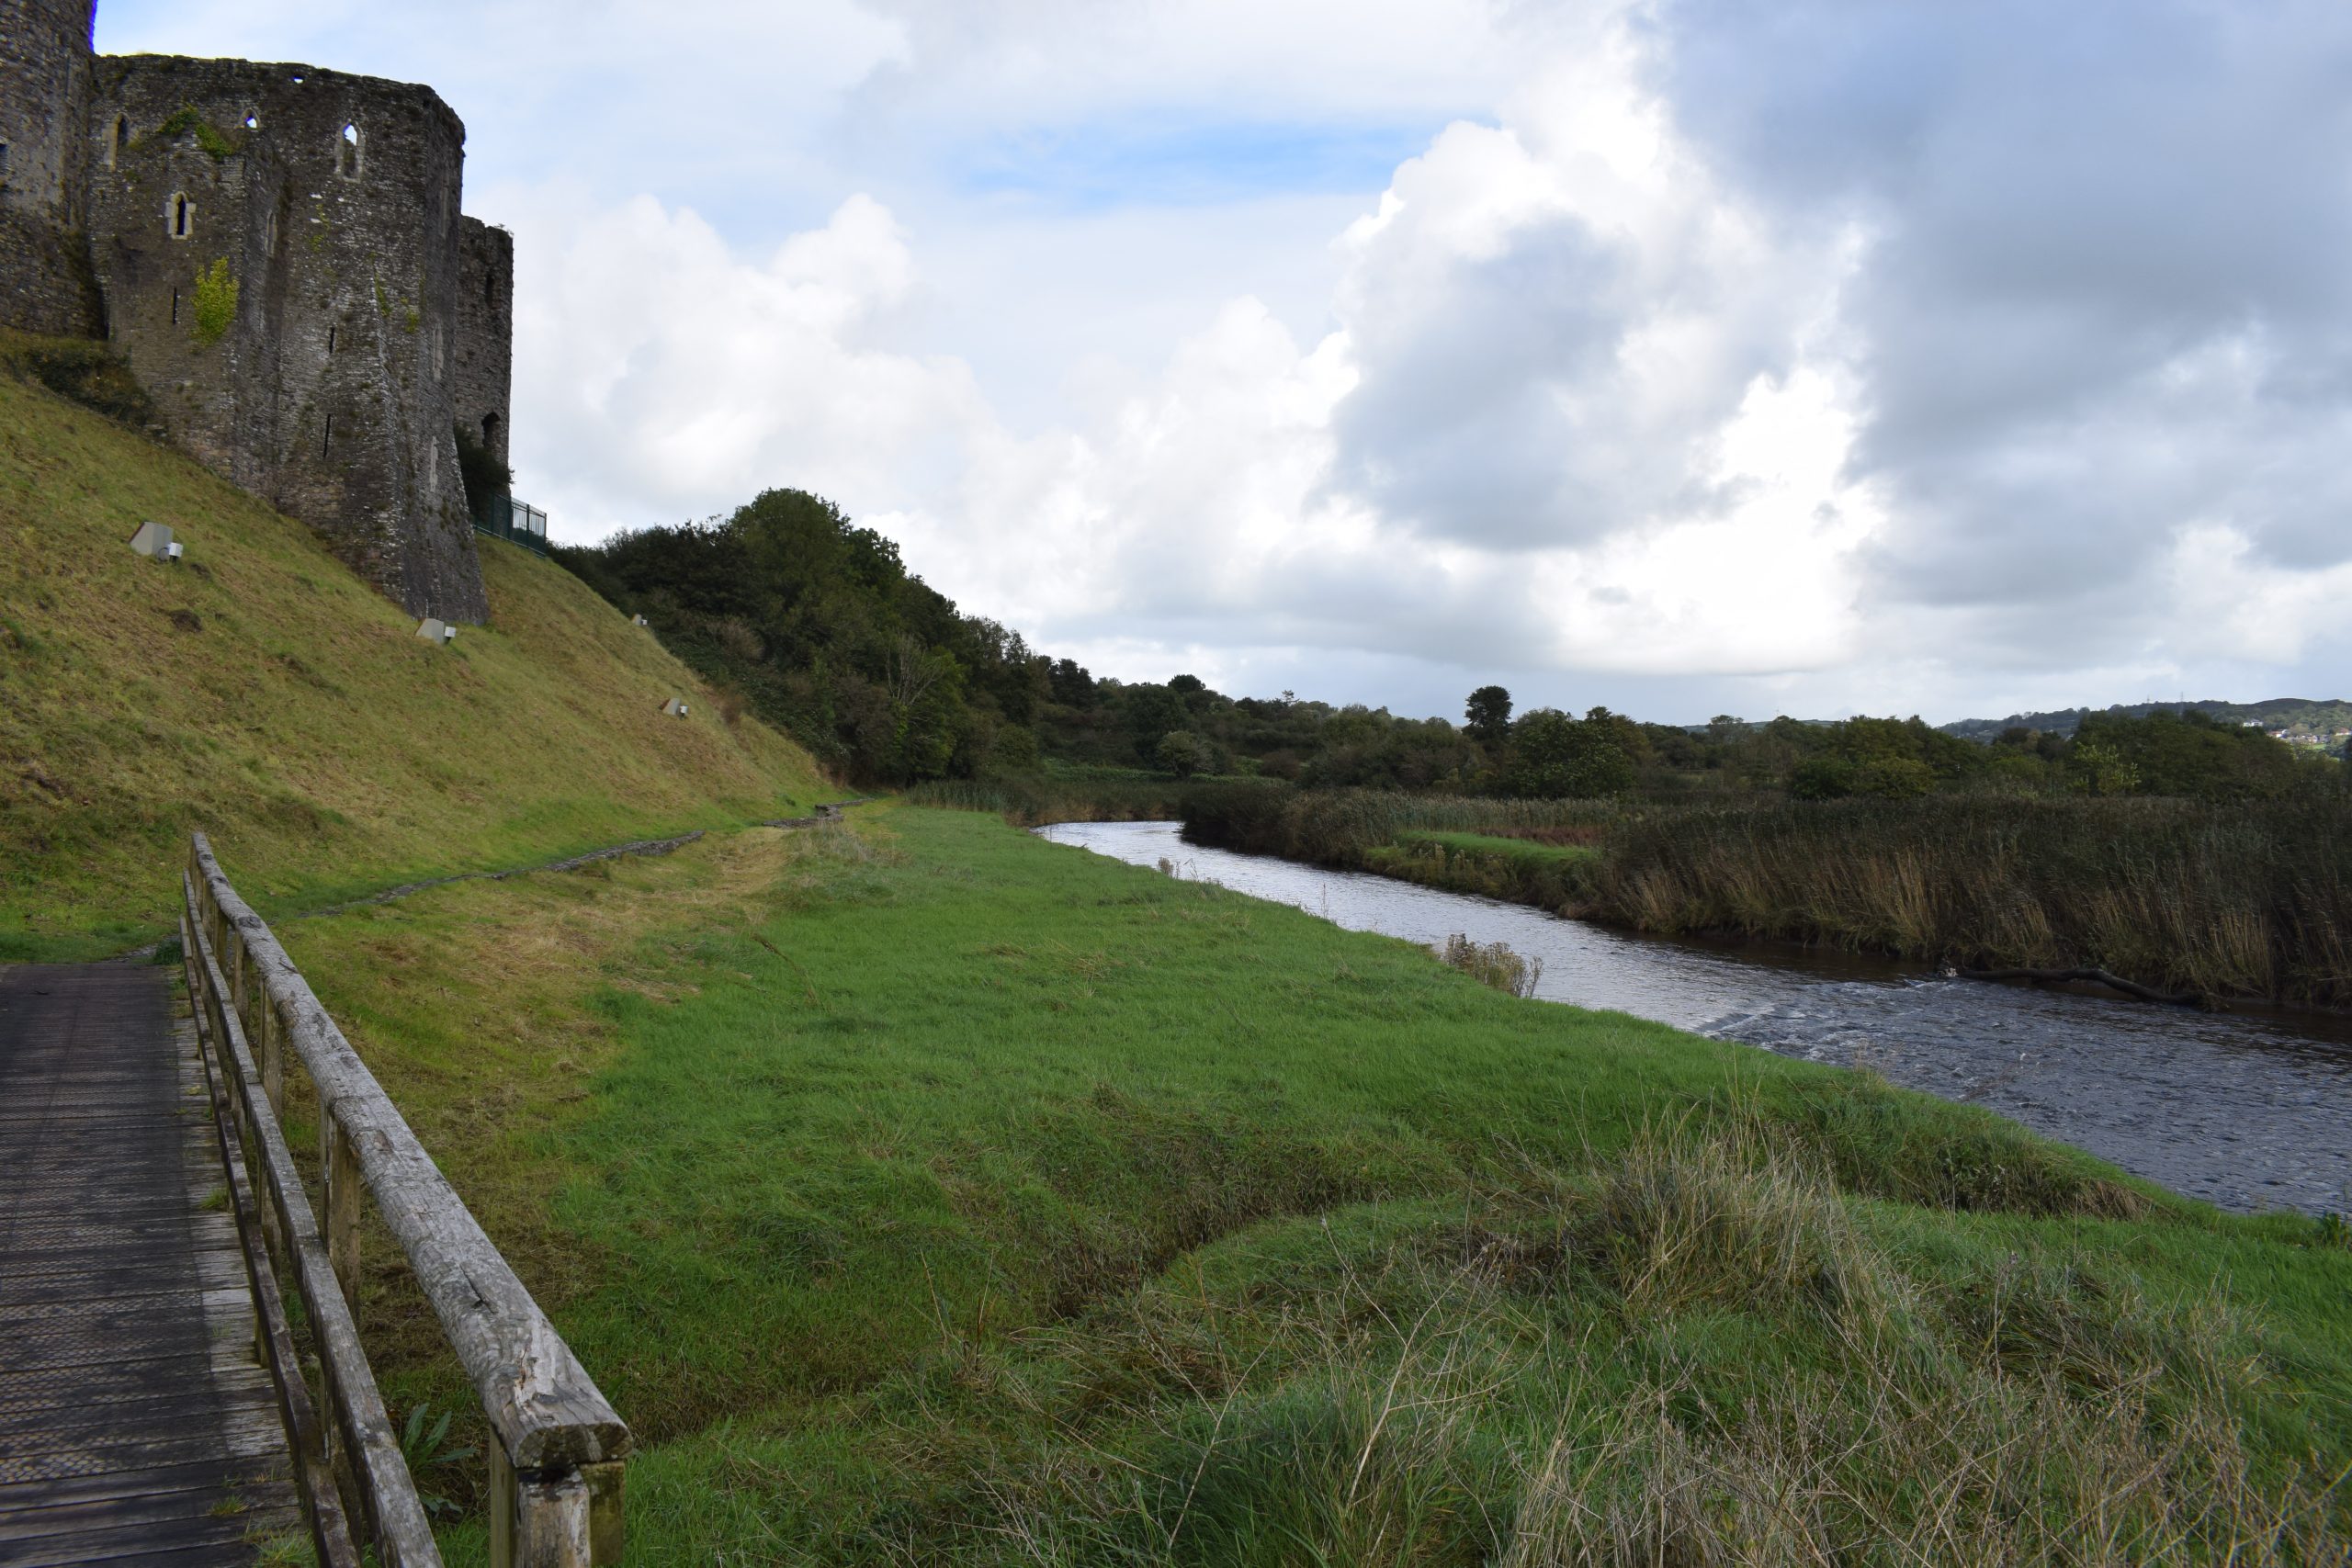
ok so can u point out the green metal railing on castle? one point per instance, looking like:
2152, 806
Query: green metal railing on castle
504, 517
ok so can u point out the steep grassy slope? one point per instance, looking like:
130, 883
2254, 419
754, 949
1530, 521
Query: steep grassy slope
263, 693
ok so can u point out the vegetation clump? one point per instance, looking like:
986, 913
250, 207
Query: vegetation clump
82, 371
486, 479
1493, 963
215, 304
822, 627
2249, 899
217, 143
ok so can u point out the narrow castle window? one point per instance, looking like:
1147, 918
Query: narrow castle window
122, 141
330, 340
179, 214
490, 431
326, 442
253, 122
176, 306
347, 153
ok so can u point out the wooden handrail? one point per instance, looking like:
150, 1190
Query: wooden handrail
556, 1461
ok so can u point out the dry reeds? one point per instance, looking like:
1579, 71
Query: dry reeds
1493, 963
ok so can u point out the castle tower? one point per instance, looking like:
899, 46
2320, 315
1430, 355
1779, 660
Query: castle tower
278, 255
278, 249
45, 84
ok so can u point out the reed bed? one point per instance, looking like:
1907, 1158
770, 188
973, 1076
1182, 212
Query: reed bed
2241, 900
2245, 899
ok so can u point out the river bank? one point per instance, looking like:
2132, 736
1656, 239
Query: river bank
923, 1191
2249, 1110
2249, 900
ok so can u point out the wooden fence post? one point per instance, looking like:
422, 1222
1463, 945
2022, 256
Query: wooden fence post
270, 1036
539, 1522
339, 1176
339, 1167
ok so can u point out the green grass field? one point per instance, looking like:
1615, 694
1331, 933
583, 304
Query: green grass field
264, 693
925, 1193
1508, 849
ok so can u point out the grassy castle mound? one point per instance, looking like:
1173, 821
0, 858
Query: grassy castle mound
260, 692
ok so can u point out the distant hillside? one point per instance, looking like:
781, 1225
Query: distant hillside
2303, 715
262, 692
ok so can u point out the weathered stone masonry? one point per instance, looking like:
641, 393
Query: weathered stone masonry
278, 253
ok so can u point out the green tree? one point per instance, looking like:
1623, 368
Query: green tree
2187, 754
1488, 713
1180, 752
1554, 757
2097, 769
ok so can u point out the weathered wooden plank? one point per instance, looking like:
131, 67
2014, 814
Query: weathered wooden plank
53, 1453
130, 1402
216, 1476
263, 1506
214, 1538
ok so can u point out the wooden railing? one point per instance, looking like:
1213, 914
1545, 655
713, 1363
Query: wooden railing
557, 1447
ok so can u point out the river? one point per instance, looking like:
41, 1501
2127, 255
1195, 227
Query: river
2247, 1109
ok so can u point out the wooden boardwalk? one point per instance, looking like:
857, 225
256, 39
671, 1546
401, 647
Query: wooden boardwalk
136, 1425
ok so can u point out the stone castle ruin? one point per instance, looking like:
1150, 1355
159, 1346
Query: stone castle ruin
278, 253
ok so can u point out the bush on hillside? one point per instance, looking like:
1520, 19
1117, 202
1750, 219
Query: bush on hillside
82, 371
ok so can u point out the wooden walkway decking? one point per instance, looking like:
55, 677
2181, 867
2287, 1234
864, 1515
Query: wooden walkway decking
135, 1424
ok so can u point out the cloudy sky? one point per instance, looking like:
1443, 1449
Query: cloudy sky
1691, 356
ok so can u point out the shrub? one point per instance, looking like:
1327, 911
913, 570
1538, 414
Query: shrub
486, 479
216, 303
81, 371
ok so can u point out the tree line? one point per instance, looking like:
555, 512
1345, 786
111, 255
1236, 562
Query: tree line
817, 625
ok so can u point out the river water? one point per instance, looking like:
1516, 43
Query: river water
2248, 1109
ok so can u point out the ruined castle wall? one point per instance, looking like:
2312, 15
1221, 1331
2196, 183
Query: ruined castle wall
44, 98
485, 345
333, 201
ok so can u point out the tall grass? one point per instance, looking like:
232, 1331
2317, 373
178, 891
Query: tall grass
2245, 899
1342, 827
2251, 899
1031, 802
